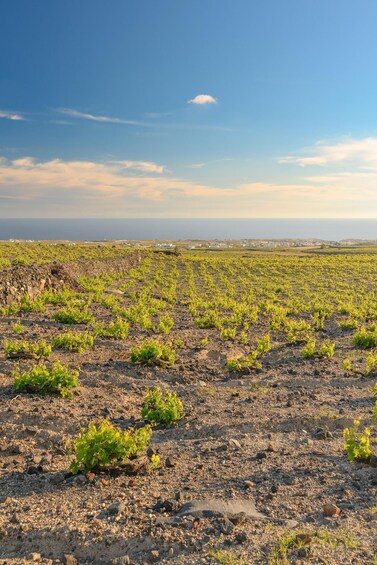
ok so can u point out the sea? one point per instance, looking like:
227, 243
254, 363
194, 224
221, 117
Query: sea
99, 229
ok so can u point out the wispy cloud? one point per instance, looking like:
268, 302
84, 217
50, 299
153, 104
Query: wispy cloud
142, 166
360, 152
9, 115
72, 113
154, 115
201, 99
197, 165
206, 163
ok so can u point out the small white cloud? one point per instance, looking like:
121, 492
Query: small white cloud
201, 99
14, 116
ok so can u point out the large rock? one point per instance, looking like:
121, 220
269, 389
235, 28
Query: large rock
215, 507
231, 509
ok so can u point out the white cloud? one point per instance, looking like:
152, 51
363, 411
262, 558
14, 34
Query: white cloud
95, 118
142, 166
14, 116
360, 152
201, 99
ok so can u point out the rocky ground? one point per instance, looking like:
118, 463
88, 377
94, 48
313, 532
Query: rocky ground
272, 437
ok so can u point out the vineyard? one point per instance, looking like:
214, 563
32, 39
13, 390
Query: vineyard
192, 376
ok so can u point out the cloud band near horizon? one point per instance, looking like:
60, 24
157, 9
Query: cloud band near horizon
57, 188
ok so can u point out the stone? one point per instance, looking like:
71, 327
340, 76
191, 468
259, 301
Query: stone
35, 557
169, 462
241, 537
226, 525
234, 443
18, 449
123, 560
322, 434
238, 519
331, 510
34, 470
215, 507
162, 520
116, 508
69, 559
304, 539
166, 505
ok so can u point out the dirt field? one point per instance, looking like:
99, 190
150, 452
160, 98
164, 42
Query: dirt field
269, 434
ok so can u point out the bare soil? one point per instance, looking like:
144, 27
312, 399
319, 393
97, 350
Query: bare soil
273, 437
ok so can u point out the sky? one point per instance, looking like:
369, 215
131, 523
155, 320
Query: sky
189, 108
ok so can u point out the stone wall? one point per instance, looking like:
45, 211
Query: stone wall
33, 279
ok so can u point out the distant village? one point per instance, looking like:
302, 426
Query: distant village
259, 243
220, 244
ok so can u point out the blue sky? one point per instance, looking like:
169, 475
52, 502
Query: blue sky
101, 115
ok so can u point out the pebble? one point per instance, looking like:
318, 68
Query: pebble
33, 470
234, 443
322, 434
226, 526
331, 510
241, 537
249, 484
169, 462
69, 559
116, 508
35, 557
304, 539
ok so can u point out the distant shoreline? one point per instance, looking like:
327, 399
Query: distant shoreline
198, 229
